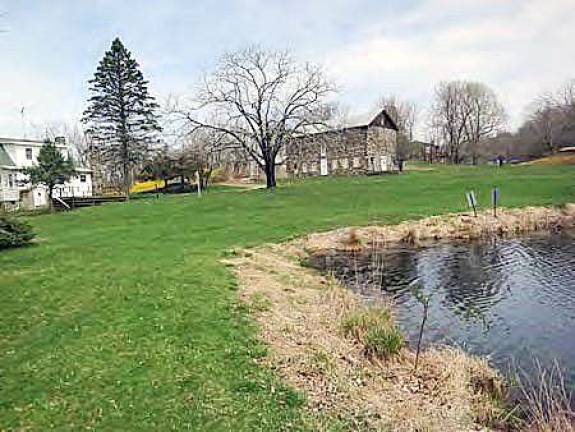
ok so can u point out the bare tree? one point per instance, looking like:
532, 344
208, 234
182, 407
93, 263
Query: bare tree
448, 119
485, 116
404, 113
546, 123
202, 151
75, 137
553, 117
259, 100
463, 114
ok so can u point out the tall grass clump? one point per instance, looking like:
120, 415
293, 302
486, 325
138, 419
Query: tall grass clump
546, 403
376, 330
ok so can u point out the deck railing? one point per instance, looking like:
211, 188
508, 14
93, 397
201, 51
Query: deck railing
9, 194
71, 191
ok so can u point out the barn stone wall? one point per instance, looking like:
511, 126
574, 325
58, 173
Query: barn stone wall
350, 151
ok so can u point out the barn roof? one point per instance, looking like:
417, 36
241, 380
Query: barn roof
379, 116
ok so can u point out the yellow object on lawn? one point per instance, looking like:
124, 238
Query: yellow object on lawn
147, 186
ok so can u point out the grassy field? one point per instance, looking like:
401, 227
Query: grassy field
122, 317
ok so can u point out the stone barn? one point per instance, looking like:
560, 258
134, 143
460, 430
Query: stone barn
368, 147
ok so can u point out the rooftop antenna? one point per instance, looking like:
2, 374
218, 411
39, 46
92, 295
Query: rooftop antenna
23, 121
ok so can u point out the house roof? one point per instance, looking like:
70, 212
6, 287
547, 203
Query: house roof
5, 159
27, 142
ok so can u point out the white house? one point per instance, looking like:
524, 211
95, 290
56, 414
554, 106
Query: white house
15, 188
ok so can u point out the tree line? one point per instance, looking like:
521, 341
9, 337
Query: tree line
255, 101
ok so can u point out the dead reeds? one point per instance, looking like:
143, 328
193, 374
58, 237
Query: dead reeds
545, 402
458, 226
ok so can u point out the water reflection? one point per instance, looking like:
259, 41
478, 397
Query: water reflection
512, 300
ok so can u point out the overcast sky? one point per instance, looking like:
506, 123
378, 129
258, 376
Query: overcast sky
369, 47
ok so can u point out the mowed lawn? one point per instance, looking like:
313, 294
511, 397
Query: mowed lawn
122, 317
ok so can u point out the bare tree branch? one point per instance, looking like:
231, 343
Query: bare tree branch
259, 100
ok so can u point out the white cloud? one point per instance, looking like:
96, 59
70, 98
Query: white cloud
520, 50
404, 47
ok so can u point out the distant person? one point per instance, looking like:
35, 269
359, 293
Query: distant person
500, 160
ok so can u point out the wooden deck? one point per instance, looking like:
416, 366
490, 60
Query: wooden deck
78, 202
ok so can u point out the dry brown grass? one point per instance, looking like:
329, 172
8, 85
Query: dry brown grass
556, 159
546, 404
462, 226
450, 391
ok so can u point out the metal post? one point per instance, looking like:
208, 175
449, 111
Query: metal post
472, 201
495, 200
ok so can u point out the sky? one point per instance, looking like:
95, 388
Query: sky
369, 48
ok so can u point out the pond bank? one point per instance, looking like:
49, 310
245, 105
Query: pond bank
456, 226
300, 315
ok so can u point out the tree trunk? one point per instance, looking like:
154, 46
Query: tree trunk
270, 171
126, 181
50, 203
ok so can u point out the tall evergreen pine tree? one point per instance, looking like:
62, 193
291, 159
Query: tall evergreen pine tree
121, 115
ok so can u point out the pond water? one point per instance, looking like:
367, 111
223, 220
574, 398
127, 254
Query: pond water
512, 300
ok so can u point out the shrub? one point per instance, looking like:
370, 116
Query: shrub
14, 233
375, 329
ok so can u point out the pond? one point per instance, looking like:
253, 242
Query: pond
512, 300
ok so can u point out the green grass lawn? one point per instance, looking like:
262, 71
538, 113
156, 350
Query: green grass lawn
122, 318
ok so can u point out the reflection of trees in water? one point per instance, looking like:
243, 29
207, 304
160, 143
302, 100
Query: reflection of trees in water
468, 275
472, 277
394, 271
385, 270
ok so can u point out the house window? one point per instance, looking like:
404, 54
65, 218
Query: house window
29, 154
83, 178
10, 180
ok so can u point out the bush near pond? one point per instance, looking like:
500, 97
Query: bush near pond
14, 233
375, 329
